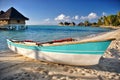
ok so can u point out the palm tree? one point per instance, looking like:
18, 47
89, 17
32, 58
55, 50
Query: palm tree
100, 22
118, 16
73, 23
86, 23
66, 23
111, 19
61, 24
81, 24
105, 21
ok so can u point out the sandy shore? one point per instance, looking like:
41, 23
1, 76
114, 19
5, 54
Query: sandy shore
110, 27
17, 67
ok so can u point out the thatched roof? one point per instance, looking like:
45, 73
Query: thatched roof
12, 13
1, 12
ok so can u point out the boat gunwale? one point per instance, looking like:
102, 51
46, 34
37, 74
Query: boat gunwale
65, 43
77, 42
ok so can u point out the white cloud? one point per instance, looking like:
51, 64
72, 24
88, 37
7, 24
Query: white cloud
76, 17
90, 16
47, 20
67, 18
83, 17
104, 14
62, 17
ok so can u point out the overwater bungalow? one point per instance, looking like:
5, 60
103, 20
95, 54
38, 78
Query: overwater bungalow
12, 20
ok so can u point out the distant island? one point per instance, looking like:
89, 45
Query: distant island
110, 20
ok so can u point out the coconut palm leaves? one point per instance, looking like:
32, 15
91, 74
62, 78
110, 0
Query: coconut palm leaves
111, 20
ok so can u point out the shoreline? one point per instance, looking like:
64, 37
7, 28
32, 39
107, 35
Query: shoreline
15, 66
110, 27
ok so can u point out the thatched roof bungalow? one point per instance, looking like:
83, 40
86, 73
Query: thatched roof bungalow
12, 17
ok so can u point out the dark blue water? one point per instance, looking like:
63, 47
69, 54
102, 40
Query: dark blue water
48, 33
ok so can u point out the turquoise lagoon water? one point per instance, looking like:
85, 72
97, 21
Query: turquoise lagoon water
48, 33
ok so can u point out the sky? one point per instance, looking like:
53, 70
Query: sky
51, 12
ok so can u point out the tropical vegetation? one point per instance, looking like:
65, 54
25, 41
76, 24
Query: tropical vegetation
110, 20
67, 24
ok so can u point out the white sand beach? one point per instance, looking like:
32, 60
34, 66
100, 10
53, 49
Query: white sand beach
17, 67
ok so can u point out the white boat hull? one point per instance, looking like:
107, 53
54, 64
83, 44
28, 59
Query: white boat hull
70, 59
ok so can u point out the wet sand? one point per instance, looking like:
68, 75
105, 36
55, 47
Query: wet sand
17, 67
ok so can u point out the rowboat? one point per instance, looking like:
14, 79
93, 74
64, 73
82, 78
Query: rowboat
69, 51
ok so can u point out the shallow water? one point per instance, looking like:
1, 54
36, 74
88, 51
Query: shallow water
48, 33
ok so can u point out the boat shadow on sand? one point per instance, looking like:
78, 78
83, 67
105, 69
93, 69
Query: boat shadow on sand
19, 63
109, 64
105, 63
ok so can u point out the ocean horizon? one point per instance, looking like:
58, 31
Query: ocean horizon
44, 33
